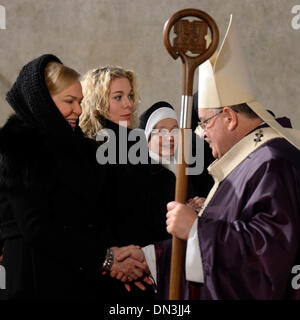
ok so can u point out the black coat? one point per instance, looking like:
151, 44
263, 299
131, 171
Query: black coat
137, 196
55, 237
53, 242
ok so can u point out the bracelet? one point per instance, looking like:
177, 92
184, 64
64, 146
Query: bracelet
109, 260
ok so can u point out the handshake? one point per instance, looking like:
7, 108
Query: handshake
129, 266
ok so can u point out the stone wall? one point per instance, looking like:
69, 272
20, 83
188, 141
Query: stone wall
88, 33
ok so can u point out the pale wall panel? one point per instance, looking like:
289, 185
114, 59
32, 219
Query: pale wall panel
91, 33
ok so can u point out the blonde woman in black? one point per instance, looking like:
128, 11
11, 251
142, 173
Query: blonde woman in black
55, 235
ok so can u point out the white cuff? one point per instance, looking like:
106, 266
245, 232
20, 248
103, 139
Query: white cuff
193, 261
149, 252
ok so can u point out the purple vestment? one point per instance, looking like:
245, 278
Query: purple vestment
249, 233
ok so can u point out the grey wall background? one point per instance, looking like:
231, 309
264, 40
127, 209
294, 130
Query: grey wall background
89, 33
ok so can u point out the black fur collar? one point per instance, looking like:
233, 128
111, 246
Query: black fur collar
31, 159
22, 149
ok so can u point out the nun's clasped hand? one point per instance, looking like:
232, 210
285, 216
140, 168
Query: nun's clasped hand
180, 219
196, 203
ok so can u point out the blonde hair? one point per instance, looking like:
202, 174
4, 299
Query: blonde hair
95, 104
58, 77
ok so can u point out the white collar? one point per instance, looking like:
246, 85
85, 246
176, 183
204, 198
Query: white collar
222, 167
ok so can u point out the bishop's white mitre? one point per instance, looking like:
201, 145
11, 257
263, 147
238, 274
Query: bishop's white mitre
225, 82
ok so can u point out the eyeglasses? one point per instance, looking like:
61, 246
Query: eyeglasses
203, 124
164, 132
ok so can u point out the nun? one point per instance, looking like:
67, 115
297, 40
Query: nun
161, 129
160, 123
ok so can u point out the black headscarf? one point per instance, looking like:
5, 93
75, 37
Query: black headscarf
68, 150
31, 100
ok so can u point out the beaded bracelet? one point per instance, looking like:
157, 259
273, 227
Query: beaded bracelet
109, 260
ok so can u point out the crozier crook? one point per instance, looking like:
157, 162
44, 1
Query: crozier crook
190, 39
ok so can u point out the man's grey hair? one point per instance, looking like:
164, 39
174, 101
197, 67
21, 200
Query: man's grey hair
244, 108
